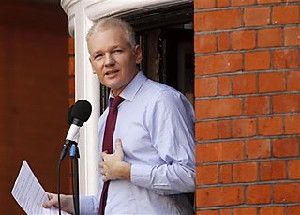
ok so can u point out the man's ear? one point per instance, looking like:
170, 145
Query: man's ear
94, 72
138, 54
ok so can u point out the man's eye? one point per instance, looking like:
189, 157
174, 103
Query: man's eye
118, 51
98, 56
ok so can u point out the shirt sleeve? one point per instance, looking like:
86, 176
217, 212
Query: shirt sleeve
88, 205
170, 122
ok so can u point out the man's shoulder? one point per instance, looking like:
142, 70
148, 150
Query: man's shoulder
157, 92
156, 88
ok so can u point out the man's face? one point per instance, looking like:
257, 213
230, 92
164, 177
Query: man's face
113, 59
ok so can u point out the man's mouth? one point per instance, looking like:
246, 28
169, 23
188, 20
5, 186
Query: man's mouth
111, 72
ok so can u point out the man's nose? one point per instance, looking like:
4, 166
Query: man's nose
109, 60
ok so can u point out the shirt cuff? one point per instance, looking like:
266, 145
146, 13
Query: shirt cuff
140, 175
88, 205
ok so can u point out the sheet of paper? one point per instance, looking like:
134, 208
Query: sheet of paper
29, 194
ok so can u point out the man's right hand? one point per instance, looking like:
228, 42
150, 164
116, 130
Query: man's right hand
65, 200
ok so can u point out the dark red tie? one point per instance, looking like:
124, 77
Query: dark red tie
107, 144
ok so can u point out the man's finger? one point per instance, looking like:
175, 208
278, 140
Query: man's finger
51, 202
103, 154
118, 143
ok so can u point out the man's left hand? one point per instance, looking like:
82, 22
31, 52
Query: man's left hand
113, 165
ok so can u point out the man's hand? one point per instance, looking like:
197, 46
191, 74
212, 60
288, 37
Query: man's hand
65, 200
113, 165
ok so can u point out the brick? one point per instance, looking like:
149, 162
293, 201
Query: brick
214, 20
244, 211
242, 2
292, 124
293, 80
223, 3
71, 66
200, 4
271, 37
256, 105
224, 128
206, 87
287, 103
287, 58
226, 211
293, 169
258, 194
225, 173
286, 193
205, 43
244, 84
211, 64
285, 14
270, 125
71, 101
227, 151
267, 1
206, 130
257, 60
257, 149
71, 85
257, 16
272, 170
217, 196
218, 108
271, 81
291, 36
224, 85
243, 40
272, 211
207, 174
245, 172
286, 147
293, 210
243, 127
224, 41
207, 212
71, 46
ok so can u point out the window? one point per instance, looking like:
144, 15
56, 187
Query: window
166, 37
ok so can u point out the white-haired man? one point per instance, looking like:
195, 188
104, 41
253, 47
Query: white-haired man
150, 168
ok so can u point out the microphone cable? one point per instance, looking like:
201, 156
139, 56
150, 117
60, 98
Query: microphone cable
58, 185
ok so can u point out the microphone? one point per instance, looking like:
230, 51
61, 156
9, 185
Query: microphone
78, 114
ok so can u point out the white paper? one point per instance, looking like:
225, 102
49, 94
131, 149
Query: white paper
30, 195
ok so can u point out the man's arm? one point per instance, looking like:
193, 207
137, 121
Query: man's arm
66, 202
171, 128
88, 204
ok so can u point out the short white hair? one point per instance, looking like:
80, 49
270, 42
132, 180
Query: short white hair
107, 23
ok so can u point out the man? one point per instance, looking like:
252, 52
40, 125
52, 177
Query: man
151, 169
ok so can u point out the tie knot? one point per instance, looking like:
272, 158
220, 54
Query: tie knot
114, 102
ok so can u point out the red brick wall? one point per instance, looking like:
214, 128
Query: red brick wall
33, 92
247, 89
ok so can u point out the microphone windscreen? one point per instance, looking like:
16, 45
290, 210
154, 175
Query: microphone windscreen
82, 110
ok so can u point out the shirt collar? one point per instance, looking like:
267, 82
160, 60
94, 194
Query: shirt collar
133, 87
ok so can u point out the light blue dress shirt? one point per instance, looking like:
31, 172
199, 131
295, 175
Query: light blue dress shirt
155, 123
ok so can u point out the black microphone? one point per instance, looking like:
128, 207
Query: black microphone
78, 114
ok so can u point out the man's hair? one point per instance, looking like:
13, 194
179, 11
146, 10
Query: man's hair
108, 23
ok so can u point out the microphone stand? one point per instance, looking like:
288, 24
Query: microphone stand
74, 155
